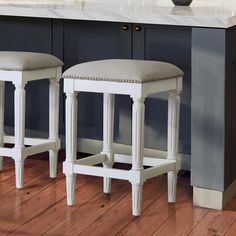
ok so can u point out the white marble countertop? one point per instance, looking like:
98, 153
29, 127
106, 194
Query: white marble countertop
202, 13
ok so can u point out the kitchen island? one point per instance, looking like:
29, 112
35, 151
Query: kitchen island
199, 39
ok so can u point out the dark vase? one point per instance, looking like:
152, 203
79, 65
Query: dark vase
182, 2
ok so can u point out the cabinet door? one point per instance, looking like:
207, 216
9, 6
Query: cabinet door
173, 45
34, 35
87, 41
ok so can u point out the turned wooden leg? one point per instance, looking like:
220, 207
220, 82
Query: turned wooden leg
70, 189
19, 132
108, 133
19, 172
71, 145
137, 199
53, 124
137, 151
173, 139
2, 98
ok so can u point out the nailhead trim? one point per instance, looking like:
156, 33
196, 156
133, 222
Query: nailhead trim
10, 69
102, 79
21, 69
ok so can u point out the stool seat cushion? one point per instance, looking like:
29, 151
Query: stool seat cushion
123, 71
27, 61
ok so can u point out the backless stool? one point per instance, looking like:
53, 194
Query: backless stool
20, 68
138, 79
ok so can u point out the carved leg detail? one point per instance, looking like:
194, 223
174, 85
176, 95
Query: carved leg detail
70, 189
71, 145
173, 138
172, 183
19, 171
53, 156
53, 124
19, 132
108, 133
137, 151
136, 199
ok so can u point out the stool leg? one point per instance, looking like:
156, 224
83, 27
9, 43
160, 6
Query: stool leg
2, 98
137, 151
173, 138
19, 171
19, 132
71, 145
53, 124
108, 133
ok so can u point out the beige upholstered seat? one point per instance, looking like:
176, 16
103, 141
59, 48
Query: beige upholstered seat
123, 71
27, 61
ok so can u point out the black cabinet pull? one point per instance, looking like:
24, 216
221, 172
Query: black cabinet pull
138, 28
125, 27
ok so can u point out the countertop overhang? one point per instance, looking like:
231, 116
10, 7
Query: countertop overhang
202, 13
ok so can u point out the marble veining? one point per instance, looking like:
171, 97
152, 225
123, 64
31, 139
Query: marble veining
202, 13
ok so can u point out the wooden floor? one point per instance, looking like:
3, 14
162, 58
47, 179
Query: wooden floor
40, 208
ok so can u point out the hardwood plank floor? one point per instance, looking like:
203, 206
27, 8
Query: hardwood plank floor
157, 212
40, 207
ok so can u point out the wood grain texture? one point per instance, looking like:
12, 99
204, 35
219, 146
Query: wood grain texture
215, 223
82, 217
40, 207
34, 206
232, 205
33, 169
184, 219
6, 161
232, 230
158, 212
58, 210
122, 211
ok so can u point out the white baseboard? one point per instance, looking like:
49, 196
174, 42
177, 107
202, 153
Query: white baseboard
95, 146
213, 199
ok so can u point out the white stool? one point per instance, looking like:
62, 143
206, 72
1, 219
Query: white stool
137, 79
20, 68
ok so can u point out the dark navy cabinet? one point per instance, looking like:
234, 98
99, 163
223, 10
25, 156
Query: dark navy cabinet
80, 41
87, 41
26, 34
173, 45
